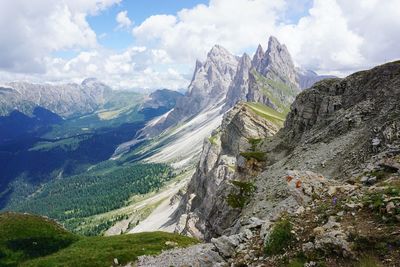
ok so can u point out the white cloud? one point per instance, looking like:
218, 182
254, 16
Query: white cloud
136, 67
333, 36
192, 32
323, 40
123, 20
31, 30
336, 36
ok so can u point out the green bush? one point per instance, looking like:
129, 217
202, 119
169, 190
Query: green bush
257, 155
254, 142
240, 199
280, 237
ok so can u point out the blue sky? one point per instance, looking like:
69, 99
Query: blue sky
155, 43
138, 11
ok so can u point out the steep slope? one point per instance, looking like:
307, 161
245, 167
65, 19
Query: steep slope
269, 78
204, 212
217, 85
333, 170
207, 89
18, 126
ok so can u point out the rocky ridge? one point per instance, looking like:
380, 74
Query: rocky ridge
329, 180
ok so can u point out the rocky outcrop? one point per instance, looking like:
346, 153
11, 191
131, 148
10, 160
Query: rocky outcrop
269, 78
204, 209
344, 122
65, 100
224, 79
239, 88
277, 63
207, 89
198, 255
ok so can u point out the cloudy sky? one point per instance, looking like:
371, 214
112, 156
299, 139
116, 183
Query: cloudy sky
154, 43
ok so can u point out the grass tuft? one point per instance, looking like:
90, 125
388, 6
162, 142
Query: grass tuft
279, 238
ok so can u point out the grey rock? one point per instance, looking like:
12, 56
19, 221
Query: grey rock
307, 247
197, 255
226, 245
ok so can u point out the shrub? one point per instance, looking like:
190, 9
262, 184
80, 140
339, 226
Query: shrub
240, 199
281, 237
254, 142
257, 155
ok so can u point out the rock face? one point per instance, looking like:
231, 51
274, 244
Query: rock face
239, 88
65, 100
351, 118
204, 209
277, 63
207, 89
269, 78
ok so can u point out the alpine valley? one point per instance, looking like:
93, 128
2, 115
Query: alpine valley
259, 163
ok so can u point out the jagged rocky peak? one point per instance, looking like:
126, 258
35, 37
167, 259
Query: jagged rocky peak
207, 90
239, 87
212, 78
258, 56
277, 62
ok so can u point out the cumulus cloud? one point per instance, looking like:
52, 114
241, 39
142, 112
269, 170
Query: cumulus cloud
192, 32
329, 36
123, 20
323, 40
336, 36
134, 68
31, 30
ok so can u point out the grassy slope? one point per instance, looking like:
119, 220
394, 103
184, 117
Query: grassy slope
28, 240
268, 113
276, 91
26, 236
101, 251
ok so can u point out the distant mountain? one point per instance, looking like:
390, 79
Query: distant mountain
56, 131
218, 83
66, 100
307, 78
161, 99
208, 88
17, 125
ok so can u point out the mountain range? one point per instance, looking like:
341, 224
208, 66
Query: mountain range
268, 164
63, 130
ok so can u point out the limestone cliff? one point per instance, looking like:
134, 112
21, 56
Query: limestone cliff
204, 211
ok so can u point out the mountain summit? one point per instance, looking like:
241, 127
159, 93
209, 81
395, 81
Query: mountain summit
218, 83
